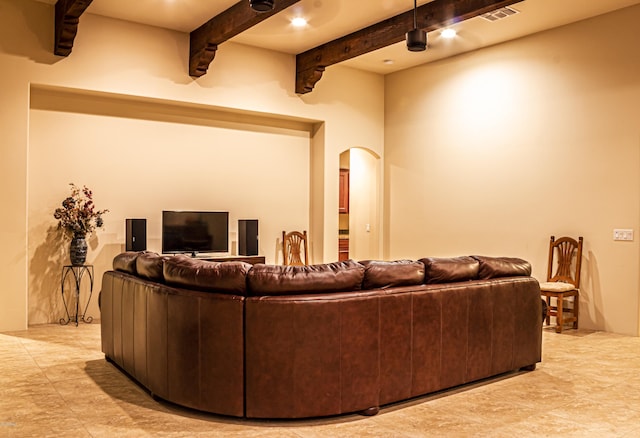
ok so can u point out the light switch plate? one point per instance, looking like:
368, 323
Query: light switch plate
622, 234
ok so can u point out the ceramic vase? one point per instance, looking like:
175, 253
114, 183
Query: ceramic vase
78, 250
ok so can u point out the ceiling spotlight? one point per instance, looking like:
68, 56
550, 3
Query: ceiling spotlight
298, 22
416, 38
448, 33
261, 5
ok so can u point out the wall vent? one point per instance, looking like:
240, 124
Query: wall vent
499, 14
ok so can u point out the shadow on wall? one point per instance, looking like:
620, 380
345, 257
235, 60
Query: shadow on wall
38, 46
45, 271
45, 301
278, 258
591, 294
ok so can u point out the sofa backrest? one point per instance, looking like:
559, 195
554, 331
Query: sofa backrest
495, 267
126, 262
382, 274
224, 277
244, 279
150, 265
449, 270
287, 280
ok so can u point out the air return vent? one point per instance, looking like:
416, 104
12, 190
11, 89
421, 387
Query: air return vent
499, 14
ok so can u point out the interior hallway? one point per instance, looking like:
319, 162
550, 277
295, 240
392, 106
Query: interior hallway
54, 381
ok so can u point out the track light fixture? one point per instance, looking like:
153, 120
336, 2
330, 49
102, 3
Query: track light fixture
261, 5
416, 38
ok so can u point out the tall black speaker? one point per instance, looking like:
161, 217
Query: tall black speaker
248, 237
136, 230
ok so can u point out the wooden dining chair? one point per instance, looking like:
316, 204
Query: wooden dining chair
564, 281
295, 250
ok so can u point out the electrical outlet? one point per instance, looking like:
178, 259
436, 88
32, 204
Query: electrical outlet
622, 234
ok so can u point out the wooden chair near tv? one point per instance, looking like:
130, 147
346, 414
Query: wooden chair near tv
295, 250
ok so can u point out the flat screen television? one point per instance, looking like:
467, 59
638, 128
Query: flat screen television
195, 231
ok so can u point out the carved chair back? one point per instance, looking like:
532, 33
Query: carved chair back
295, 250
567, 269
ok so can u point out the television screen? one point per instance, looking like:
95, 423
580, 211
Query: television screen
195, 231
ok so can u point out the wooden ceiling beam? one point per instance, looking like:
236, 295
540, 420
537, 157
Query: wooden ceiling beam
431, 16
66, 24
204, 40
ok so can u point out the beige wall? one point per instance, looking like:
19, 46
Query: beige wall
49, 142
475, 147
494, 151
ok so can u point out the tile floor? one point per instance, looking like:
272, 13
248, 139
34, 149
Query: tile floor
54, 381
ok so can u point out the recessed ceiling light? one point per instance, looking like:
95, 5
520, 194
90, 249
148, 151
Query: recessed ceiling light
388, 61
298, 22
448, 33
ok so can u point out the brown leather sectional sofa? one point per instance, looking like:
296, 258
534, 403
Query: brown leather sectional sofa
270, 341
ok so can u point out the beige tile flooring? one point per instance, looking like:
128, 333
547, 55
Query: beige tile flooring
55, 382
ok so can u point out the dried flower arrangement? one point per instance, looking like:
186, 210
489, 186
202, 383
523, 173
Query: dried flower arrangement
78, 216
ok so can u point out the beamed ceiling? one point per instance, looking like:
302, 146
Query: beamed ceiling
368, 35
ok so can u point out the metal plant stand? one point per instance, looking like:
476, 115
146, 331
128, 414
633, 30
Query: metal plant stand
78, 273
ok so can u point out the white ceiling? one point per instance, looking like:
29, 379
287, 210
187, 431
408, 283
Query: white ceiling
330, 19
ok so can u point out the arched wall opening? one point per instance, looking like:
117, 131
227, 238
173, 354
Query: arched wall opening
361, 223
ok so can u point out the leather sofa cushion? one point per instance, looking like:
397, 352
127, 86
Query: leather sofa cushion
149, 265
448, 270
381, 274
126, 262
293, 280
223, 277
494, 267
